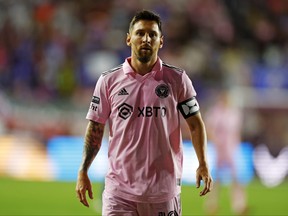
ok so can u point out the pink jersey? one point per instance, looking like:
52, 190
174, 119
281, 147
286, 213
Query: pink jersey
145, 144
224, 124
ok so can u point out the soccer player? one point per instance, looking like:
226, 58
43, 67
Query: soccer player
224, 124
142, 101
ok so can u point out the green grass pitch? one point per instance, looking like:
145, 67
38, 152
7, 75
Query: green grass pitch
59, 198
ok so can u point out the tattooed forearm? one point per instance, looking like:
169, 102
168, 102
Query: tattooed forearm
93, 139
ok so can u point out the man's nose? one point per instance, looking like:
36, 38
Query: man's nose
146, 38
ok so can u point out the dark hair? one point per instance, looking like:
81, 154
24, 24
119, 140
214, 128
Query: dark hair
146, 15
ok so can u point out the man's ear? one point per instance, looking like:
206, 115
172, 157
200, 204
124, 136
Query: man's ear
161, 41
128, 39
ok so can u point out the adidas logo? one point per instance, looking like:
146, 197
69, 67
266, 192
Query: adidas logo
123, 91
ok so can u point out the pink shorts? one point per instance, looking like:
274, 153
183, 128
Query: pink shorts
117, 206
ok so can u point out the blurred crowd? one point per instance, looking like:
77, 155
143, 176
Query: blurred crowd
53, 51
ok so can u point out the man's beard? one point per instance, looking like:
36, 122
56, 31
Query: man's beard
144, 57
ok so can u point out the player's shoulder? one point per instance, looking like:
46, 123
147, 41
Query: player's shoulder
172, 68
112, 71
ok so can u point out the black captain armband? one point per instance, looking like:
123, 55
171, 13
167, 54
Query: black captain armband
189, 107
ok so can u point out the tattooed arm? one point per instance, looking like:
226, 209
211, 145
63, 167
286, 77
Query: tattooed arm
198, 135
92, 144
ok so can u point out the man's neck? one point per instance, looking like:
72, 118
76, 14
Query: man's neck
142, 68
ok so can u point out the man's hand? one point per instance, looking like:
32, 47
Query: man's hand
203, 174
83, 185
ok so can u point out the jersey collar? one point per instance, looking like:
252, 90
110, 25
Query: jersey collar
156, 70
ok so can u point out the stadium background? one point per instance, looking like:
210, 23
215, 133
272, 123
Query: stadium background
51, 55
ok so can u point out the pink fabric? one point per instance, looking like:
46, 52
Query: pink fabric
145, 144
117, 206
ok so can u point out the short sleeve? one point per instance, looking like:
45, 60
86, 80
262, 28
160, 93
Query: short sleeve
187, 103
99, 109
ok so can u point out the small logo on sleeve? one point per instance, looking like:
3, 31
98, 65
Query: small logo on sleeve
189, 107
95, 99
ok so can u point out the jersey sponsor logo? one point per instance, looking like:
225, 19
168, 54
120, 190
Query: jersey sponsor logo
125, 111
93, 107
123, 91
189, 107
96, 99
162, 91
152, 111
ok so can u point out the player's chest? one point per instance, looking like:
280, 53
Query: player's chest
150, 97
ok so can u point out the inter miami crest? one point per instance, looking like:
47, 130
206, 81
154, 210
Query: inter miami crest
162, 91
